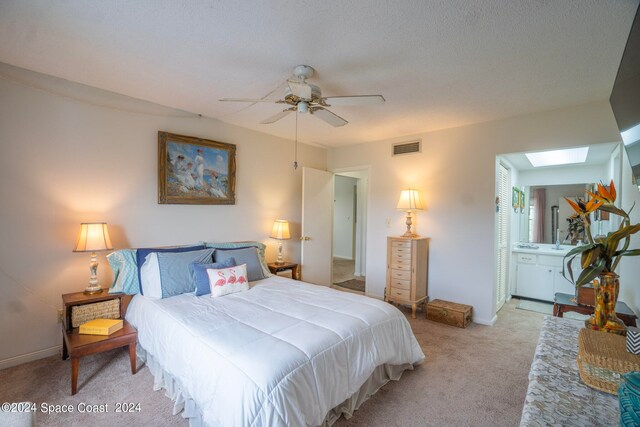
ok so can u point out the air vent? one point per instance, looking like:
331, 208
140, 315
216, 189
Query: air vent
406, 148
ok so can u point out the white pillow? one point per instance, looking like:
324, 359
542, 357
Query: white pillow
225, 281
150, 277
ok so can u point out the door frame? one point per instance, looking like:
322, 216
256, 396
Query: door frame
362, 247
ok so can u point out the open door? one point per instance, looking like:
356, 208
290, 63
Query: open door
317, 226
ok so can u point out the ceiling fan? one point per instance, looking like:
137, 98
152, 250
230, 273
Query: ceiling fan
304, 97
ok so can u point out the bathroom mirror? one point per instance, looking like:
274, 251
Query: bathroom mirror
548, 214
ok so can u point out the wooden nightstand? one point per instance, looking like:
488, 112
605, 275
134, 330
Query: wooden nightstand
75, 345
295, 269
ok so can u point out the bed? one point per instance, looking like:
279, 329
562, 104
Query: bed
284, 353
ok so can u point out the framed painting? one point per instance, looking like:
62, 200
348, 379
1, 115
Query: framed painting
521, 204
515, 198
195, 171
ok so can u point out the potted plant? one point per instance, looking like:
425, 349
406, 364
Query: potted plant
600, 256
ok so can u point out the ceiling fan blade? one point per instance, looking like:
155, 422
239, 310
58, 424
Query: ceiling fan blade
299, 89
247, 100
277, 116
328, 116
354, 100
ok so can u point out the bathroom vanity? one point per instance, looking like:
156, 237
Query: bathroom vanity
538, 271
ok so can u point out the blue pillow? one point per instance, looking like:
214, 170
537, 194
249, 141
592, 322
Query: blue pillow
125, 270
141, 255
241, 245
175, 274
201, 278
247, 256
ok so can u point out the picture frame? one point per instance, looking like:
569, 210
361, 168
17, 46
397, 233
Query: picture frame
521, 198
515, 198
195, 171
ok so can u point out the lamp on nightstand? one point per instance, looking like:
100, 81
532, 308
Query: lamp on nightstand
409, 201
93, 237
280, 232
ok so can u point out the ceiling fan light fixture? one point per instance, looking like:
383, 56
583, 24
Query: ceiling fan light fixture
303, 107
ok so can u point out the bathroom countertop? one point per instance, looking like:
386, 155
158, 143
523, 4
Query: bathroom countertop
544, 249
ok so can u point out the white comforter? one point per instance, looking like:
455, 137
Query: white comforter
282, 353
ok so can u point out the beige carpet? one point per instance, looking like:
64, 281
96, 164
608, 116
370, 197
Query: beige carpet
475, 376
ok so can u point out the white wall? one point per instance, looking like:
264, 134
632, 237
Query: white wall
456, 174
629, 269
65, 161
343, 217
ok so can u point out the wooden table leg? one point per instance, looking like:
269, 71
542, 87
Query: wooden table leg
132, 357
413, 310
65, 352
75, 365
557, 310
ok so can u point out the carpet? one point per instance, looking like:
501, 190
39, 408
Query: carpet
353, 284
475, 376
546, 308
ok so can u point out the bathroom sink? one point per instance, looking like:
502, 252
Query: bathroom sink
527, 246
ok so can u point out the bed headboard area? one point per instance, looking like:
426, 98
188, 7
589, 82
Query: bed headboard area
127, 263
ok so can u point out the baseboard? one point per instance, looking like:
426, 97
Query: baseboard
30, 357
380, 297
343, 258
485, 321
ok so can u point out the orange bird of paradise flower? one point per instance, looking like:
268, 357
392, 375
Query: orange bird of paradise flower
604, 195
584, 208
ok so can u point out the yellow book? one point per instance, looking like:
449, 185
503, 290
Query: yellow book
101, 326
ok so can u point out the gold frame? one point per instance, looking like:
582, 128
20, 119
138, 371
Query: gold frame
164, 198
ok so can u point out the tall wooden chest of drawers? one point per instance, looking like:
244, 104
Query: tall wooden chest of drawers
407, 271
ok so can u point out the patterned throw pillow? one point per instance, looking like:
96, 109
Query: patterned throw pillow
125, 271
200, 277
225, 281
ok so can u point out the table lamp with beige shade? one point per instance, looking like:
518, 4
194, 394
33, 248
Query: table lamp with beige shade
93, 237
280, 232
410, 201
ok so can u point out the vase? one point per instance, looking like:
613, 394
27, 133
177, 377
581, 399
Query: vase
606, 287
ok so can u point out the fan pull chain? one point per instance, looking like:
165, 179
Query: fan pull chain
295, 153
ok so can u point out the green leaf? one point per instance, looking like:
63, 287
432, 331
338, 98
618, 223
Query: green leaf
614, 210
590, 256
590, 273
630, 252
580, 249
569, 268
613, 239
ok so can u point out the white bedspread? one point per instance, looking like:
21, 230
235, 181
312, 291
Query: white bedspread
283, 353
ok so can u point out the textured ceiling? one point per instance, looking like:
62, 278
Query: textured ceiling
439, 64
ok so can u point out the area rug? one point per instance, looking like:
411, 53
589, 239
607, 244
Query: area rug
546, 308
353, 284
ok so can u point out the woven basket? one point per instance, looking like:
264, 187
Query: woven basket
602, 359
100, 310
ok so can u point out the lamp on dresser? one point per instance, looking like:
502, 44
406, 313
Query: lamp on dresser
280, 232
410, 201
93, 237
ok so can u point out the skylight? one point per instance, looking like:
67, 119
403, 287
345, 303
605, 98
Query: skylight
558, 157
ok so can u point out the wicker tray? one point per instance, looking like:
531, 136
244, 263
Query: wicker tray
603, 358
100, 310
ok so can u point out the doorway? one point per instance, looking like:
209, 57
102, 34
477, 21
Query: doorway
349, 231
